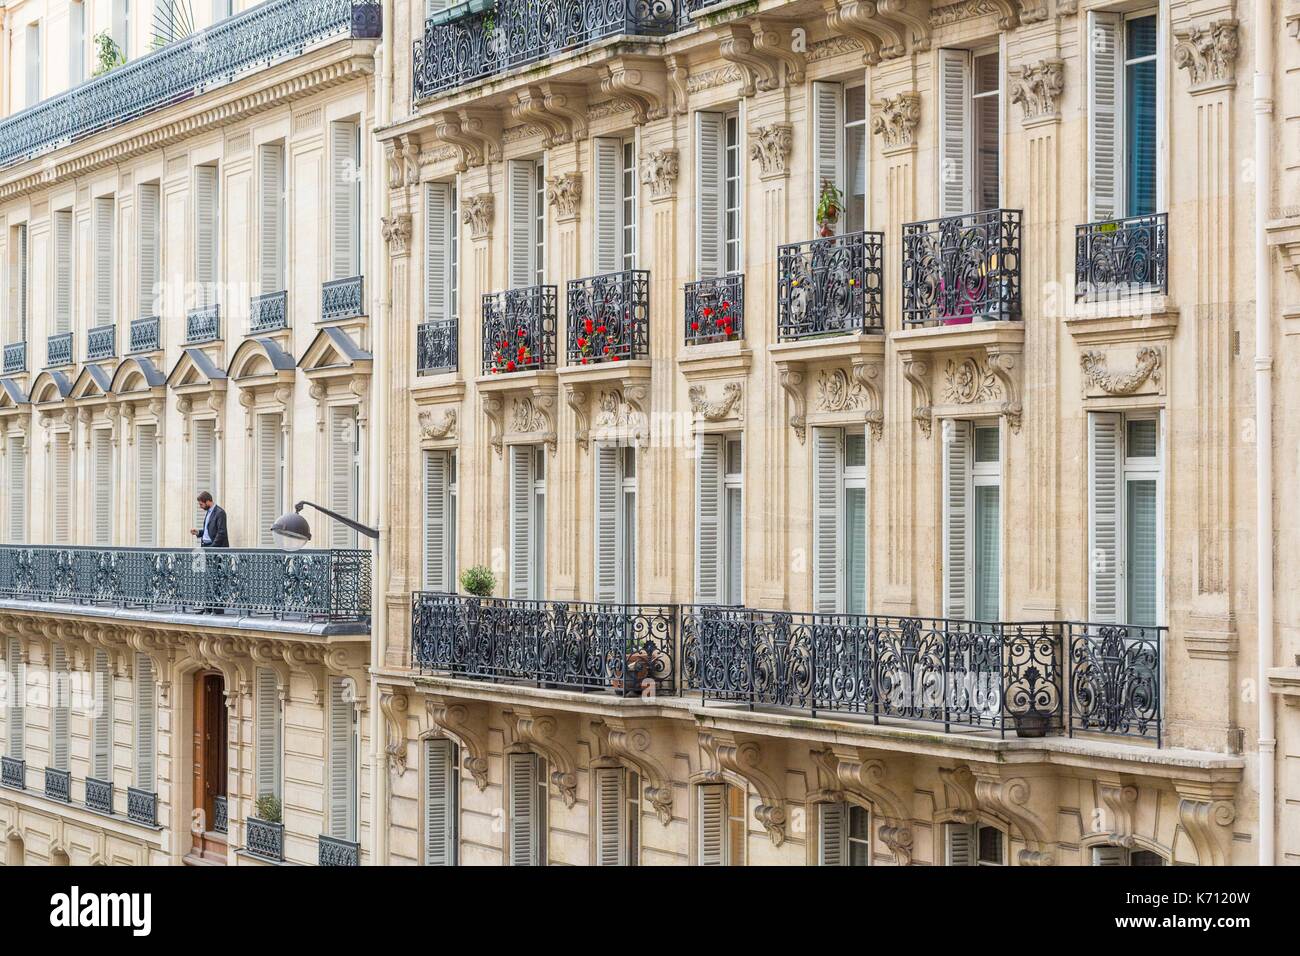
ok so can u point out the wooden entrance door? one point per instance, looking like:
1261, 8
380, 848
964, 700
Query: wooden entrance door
209, 752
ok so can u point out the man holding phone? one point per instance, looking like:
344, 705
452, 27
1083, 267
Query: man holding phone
213, 534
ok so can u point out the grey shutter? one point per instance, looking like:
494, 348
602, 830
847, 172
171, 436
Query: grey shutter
522, 529
205, 461
346, 188
440, 784
146, 444
437, 251
959, 844
712, 834
60, 704
16, 453
104, 260
102, 492
708, 519
146, 724
610, 808
609, 495
828, 519
956, 517
1109, 856
343, 491
148, 269
524, 812
62, 490
608, 199
271, 214
205, 233
270, 497
710, 194
266, 719
342, 790
101, 760
1105, 487
832, 834
522, 222
33, 64
954, 132
437, 504
63, 268
828, 137
1105, 111
17, 722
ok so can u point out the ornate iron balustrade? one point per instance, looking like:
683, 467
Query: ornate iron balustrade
58, 785
146, 335
962, 269
211, 58
342, 299
437, 346
586, 646
13, 773
1122, 257
472, 41
334, 852
830, 286
142, 807
1115, 679
15, 359
58, 350
264, 839
99, 795
715, 309
325, 585
609, 317
268, 313
101, 343
220, 815
203, 325
519, 329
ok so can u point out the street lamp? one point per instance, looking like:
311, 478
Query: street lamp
291, 531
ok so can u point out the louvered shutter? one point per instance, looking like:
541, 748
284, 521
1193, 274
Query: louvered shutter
62, 490
832, 834
146, 443
828, 137
433, 6
609, 491
104, 230
1105, 487
24, 276
267, 732
343, 490
828, 519
959, 844
63, 271
954, 132
608, 161
146, 724
710, 194
610, 805
102, 492
734, 557
524, 814
60, 704
440, 783
437, 251
16, 489
712, 834
1105, 126
269, 469
205, 233
708, 519
436, 529
1109, 856
205, 462
522, 222
347, 199
102, 755
956, 517
521, 521
149, 250
271, 227
16, 715
342, 762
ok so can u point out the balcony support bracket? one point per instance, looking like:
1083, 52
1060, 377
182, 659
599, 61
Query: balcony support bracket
631, 745
729, 753
850, 773
453, 720
792, 380
1010, 798
528, 731
917, 371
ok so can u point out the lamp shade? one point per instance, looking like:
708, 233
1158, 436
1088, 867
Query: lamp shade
291, 531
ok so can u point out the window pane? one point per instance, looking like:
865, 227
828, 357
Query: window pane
986, 445
1141, 438
733, 456
1140, 116
1141, 543
734, 556
990, 845
855, 538
855, 450
987, 558
986, 73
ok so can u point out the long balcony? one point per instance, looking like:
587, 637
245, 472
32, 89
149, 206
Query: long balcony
203, 325
330, 586
519, 330
58, 350
715, 309
342, 299
1120, 257
15, 357
830, 286
145, 335
962, 269
101, 343
609, 317
269, 312
234, 48
437, 347
471, 41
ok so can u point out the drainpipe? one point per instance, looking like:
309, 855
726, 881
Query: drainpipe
1264, 421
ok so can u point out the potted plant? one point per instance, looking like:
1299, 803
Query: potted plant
478, 581
636, 669
267, 807
1032, 723
829, 204
108, 55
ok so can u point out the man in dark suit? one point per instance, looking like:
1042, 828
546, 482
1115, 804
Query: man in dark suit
213, 534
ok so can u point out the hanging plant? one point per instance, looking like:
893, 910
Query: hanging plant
829, 205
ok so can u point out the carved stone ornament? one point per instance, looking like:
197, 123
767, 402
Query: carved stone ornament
917, 371
564, 195
1037, 87
1100, 377
397, 234
770, 146
727, 406
620, 413
966, 382
659, 173
1208, 54
477, 214
535, 414
444, 427
896, 119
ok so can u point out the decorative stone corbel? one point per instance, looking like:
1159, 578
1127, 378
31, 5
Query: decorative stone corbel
1005, 365
538, 407
568, 104
677, 75
443, 428
475, 134
564, 195
302, 659
774, 42
632, 744
869, 374
640, 85
636, 396
895, 121
575, 396
791, 377
539, 732
744, 758
960, 805
1009, 798
1033, 11
1206, 811
403, 159
770, 146
397, 236
267, 654
1208, 53
159, 650
856, 773
1120, 802
1037, 87
495, 410
659, 172
477, 213
912, 18
393, 705
757, 72
860, 19
917, 371
452, 718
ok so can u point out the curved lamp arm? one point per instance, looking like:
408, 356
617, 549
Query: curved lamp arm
356, 526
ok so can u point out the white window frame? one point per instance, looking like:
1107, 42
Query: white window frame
733, 203
449, 494
343, 764
535, 588
616, 817
846, 161
847, 477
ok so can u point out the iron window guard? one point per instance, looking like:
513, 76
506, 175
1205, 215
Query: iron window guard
437, 346
830, 286
609, 317
715, 309
1120, 257
519, 329
962, 269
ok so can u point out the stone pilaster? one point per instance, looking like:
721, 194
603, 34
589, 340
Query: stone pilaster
404, 465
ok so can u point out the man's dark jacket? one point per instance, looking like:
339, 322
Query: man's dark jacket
216, 528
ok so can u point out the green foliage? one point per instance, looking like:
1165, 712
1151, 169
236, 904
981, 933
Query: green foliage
829, 204
108, 55
478, 581
267, 808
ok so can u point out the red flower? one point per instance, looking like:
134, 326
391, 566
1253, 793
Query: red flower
613, 358
606, 350
582, 343
520, 333
510, 366
726, 304
587, 326
695, 326
584, 360
707, 311
602, 330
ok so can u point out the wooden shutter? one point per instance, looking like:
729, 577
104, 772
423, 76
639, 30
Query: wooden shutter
60, 704
708, 519
710, 194
1109, 856
1105, 490
524, 812
342, 791
146, 724
959, 844
63, 269
102, 491
346, 179
954, 132
608, 497
269, 470
521, 521
205, 462
16, 490
610, 807
608, 198
101, 762
266, 721
441, 781
437, 250
62, 490
344, 493
437, 504
956, 517
832, 834
522, 221
104, 231
712, 835
205, 232
1105, 126
16, 706
146, 509
828, 137
148, 269
828, 519
271, 225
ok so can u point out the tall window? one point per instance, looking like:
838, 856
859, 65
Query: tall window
1124, 492
60, 708
345, 143
527, 521
63, 285
526, 197
15, 488
221, 9
720, 838
121, 26
843, 835
146, 724
441, 801
105, 260
345, 473
614, 242
718, 179
441, 252
974, 844
271, 218
34, 64
527, 806
343, 754
440, 520
61, 489
1122, 114
146, 484
149, 252
203, 439
102, 491
270, 475
207, 239
76, 42
972, 489
101, 742
20, 287
617, 816
839, 520
719, 518
18, 698
615, 523
970, 109
269, 733
840, 148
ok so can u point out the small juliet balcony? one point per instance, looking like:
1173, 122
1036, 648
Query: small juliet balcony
145, 335
437, 347
830, 286
715, 309
99, 795
58, 785
519, 330
142, 807
962, 269
58, 350
264, 839
15, 357
13, 773
268, 313
609, 317
332, 851
101, 343
203, 325
342, 299
1121, 257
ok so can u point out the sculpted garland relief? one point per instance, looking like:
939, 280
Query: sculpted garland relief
967, 382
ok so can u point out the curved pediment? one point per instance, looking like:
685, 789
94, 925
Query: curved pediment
49, 387
93, 382
259, 360
136, 374
195, 369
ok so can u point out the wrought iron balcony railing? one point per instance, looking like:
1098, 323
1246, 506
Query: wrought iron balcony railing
437, 346
203, 325
334, 852
342, 299
830, 286
962, 269
99, 795
471, 41
101, 343
326, 585
1115, 679
519, 329
146, 335
15, 358
220, 815
13, 773
1121, 257
58, 350
58, 785
616, 647
268, 313
715, 309
264, 839
265, 34
609, 317
142, 807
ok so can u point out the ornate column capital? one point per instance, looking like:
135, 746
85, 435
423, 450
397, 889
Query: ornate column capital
397, 234
477, 212
895, 120
564, 195
1208, 53
659, 171
770, 146
1037, 88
